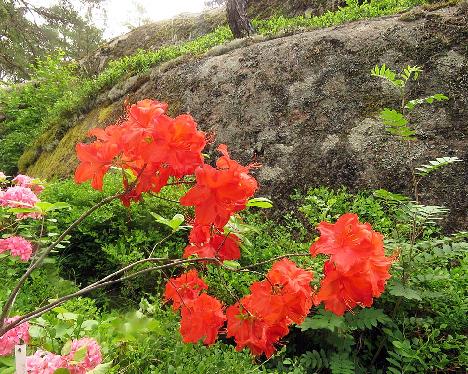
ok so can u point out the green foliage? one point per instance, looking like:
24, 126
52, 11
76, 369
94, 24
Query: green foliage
367, 318
398, 80
31, 31
340, 363
323, 320
396, 124
115, 236
395, 121
429, 100
25, 107
352, 11
435, 165
44, 284
162, 350
324, 204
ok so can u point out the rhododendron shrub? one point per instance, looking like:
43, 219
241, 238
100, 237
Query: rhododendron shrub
150, 150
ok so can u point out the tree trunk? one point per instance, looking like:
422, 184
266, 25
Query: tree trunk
237, 18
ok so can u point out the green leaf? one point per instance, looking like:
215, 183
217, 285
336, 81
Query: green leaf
89, 324
80, 353
398, 289
101, 369
23, 210
260, 202
323, 320
174, 223
66, 348
411, 72
43, 206
435, 165
387, 74
36, 331
390, 197
429, 100
62, 371
7, 361
67, 316
59, 205
396, 124
365, 318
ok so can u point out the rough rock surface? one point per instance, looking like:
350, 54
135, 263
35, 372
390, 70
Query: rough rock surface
306, 107
190, 26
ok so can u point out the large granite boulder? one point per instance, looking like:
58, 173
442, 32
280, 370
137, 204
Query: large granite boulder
306, 107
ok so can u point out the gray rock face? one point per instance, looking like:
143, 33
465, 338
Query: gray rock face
306, 107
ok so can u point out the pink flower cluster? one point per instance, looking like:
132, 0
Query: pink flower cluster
17, 246
17, 335
93, 355
43, 362
19, 197
28, 182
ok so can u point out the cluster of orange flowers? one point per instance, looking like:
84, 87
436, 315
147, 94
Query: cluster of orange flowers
256, 321
152, 147
357, 269
149, 144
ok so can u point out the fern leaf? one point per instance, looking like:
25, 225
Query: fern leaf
429, 100
398, 289
411, 72
390, 197
396, 124
341, 363
323, 320
425, 214
435, 165
366, 318
387, 74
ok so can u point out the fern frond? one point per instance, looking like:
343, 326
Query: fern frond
425, 214
387, 74
396, 124
341, 363
390, 197
323, 320
435, 165
429, 100
365, 318
314, 360
411, 72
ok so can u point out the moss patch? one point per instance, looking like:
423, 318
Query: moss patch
60, 161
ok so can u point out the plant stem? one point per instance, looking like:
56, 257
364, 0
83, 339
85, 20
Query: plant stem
9, 303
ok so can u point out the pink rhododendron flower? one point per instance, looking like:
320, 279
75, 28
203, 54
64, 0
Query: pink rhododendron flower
26, 181
92, 359
19, 197
17, 246
17, 335
43, 362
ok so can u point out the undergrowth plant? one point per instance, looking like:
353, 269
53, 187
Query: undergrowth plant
406, 352
25, 107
